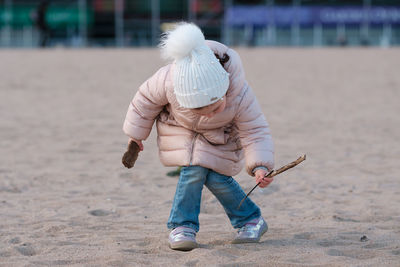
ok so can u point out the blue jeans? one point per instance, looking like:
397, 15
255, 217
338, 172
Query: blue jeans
186, 207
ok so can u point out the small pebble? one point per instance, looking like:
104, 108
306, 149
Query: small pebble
364, 238
99, 212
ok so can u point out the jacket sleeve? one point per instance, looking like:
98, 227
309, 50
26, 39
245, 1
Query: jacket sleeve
254, 133
146, 105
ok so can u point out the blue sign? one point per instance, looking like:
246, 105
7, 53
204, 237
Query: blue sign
288, 15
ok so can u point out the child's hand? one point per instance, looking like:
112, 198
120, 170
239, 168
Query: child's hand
260, 178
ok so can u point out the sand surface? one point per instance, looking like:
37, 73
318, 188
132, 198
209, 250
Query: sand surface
66, 199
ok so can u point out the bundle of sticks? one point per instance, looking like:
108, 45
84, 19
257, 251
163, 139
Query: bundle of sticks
274, 173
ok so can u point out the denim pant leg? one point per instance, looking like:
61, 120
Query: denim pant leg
186, 206
229, 194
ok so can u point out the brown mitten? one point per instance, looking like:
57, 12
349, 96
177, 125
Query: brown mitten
131, 155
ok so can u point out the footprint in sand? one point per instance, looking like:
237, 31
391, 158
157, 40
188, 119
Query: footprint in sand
10, 189
306, 235
343, 219
396, 252
26, 249
191, 263
375, 246
5, 254
332, 243
15, 240
63, 262
143, 243
351, 253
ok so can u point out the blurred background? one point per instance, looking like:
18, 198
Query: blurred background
126, 23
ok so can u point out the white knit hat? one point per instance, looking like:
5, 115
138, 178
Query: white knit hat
199, 78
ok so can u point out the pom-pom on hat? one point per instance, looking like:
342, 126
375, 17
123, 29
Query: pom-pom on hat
199, 78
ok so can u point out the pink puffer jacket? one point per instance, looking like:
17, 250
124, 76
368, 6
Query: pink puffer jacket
184, 138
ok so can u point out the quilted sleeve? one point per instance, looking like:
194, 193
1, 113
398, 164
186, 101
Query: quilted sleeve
254, 133
146, 105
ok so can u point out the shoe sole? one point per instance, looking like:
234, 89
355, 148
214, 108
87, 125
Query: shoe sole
183, 245
249, 240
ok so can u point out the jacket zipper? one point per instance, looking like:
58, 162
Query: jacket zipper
191, 152
194, 139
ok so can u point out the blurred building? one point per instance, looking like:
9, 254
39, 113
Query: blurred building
121, 23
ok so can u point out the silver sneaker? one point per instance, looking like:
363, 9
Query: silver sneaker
251, 232
182, 238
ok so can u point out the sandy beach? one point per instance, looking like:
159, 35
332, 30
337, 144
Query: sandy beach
66, 199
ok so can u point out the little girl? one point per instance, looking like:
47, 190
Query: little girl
208, 121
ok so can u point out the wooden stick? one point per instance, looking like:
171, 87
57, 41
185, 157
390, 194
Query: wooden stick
273, 173
289, 166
